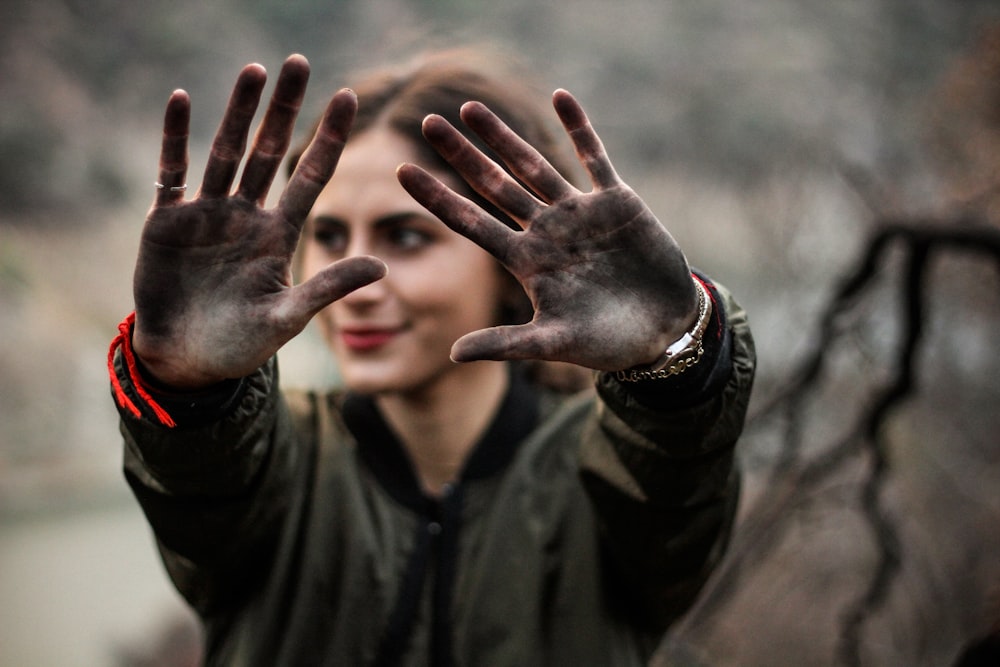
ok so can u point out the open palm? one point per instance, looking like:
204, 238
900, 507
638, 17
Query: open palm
213, 291
610, 286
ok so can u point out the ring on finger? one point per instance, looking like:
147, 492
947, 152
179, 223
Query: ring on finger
175, 188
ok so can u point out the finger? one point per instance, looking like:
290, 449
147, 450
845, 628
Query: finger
522, 341
174, 149
319, 161
332, 283
589, 148
457, 212
521, 157
231, 138
481, 173
275, 131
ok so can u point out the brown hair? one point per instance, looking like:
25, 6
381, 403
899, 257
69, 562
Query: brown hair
399, 98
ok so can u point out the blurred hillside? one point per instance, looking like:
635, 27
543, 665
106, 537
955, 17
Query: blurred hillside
768, 136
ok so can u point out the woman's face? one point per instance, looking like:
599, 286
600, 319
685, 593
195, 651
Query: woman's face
395, 335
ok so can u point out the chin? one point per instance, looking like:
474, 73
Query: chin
376, 380
368, 385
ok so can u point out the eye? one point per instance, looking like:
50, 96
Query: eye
332, 236
405, 237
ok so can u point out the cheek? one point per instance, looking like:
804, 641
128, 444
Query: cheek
307, 262
323, 321
475, 297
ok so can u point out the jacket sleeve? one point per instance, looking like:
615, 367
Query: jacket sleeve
658, 464
216, 491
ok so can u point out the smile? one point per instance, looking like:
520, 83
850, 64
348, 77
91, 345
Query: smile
363, 340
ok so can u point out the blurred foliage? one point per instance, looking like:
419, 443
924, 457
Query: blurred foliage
724, 88
29, 144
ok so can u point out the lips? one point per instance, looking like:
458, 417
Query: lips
363, 340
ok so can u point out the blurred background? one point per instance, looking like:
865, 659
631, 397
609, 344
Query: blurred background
776, 139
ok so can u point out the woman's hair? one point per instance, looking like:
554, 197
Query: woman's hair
399, 98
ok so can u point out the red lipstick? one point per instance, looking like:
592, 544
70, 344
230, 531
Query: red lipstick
363, 340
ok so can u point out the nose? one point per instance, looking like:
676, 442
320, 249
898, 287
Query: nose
365, 296
362, 245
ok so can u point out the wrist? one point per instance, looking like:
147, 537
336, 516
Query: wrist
684, 352
165, 380
163, 373
122, 344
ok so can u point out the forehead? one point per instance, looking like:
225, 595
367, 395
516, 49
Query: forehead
374, 154
365, 182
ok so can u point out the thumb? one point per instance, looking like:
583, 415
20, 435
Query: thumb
336, 281
522, 341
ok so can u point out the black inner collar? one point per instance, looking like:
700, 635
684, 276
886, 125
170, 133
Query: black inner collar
384, 454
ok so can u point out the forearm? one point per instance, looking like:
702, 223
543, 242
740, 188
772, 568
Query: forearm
214, 488
658, 463
217, 443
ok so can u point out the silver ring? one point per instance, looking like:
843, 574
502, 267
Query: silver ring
176, 188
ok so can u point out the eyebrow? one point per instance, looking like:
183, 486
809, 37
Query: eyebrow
327, 220
389, 220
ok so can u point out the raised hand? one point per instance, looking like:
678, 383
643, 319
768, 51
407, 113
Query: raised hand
610, 286
213, 289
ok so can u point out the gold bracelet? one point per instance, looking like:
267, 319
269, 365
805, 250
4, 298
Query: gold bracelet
683, 353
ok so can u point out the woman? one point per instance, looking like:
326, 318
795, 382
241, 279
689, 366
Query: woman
432, 512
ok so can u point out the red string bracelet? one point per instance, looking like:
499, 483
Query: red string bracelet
711, 296
124, 341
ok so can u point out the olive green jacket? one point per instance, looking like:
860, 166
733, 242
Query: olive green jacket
580, 528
